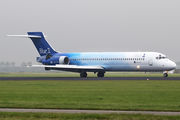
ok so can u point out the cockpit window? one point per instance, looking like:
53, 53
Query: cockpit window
164, 57
161, 57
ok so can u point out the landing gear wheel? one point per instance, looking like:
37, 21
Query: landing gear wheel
100, 74
83, 74
165, 75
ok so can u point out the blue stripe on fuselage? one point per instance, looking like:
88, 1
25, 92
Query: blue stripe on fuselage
85, 59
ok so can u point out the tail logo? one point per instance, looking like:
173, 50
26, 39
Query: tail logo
44, 51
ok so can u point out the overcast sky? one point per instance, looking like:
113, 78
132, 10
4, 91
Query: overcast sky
90, 26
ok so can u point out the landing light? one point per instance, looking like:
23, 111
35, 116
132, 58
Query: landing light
138, 67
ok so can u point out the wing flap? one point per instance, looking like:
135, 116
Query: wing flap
71, 67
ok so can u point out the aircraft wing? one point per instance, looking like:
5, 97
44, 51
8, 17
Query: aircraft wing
73, 68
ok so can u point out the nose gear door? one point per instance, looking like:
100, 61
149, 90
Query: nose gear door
150, 62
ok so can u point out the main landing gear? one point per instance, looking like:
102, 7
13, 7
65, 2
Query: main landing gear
83, 74
99, 74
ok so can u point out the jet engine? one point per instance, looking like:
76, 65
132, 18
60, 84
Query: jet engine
53, 60
64, 60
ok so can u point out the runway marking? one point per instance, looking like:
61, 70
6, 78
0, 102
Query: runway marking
87, 111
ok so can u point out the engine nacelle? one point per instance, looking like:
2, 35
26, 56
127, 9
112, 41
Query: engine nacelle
64, 60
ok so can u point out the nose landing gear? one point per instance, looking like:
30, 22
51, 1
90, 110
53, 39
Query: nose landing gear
165, 74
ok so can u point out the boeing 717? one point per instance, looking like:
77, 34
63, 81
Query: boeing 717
97, 62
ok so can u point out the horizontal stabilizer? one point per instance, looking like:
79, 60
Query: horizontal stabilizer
38, 39
25, 36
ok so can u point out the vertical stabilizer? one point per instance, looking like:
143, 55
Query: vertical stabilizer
42, 46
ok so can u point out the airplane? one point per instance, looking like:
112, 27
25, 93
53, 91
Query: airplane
97, 62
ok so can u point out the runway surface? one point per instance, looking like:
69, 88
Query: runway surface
87, 111
89, 78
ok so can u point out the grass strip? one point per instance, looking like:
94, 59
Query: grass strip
91, 95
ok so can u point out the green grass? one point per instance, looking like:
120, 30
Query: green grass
97, 95
67, 74
82, 116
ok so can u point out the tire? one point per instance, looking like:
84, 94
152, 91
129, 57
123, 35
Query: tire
83, 74
165, 75
100, 74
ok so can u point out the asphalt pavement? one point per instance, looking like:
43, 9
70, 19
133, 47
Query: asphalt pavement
87, 111
89, 78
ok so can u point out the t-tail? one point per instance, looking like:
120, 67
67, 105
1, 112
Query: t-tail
41, 44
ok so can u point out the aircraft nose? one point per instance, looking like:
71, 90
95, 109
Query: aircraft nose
173, 65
